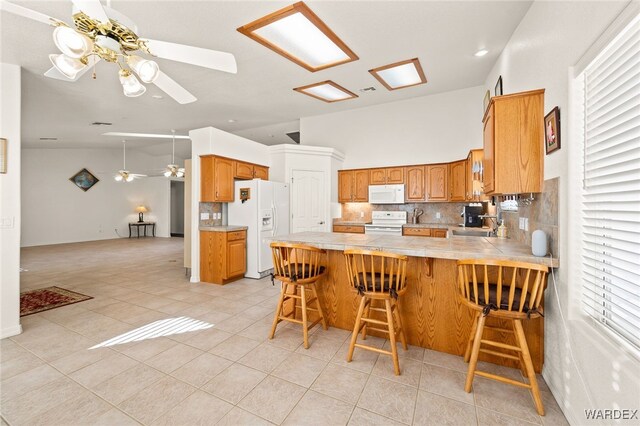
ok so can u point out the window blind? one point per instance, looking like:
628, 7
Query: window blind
611, 187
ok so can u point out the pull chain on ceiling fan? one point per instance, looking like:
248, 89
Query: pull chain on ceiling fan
172, 169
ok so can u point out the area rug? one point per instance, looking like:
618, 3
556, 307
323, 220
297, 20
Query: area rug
43, 299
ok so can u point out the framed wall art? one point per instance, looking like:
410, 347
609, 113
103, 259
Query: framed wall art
497, 91
84, 179
552, 131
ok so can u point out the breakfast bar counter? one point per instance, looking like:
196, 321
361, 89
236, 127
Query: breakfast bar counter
431, 313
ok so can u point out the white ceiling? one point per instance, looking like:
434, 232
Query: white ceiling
444, 35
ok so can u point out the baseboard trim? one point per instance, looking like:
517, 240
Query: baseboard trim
10, 331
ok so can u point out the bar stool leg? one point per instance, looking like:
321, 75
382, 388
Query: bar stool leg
305, 326
356, 329
475, 351
403, 338
315, 294
474, 326
276, 317
522, 342
392, 337
367, 310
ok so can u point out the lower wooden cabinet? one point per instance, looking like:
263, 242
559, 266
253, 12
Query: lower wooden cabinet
425, 232
349, 229
223, 256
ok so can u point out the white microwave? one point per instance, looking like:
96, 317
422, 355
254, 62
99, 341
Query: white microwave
386, 194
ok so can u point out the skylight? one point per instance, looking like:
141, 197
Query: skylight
297, 33
400, 74
327, 91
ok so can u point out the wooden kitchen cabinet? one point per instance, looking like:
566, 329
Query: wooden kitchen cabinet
216, 183
349, 229
223, 256
437, 182
415, 185
386, 176
261, 172
425, 232
475, 187
513, 143
458, 181
439, 233
250, 171
353, 186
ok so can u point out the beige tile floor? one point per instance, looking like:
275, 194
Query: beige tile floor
153, 348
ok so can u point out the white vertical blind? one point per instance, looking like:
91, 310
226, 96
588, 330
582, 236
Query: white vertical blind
611, 187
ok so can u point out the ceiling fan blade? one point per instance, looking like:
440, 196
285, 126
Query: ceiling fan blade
54, 73
173, 89
5, 6
221, 61
93, 9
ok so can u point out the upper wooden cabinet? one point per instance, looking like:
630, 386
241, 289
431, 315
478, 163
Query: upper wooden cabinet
437, 182
353, 185
416, 184
386, 176
250, 171
513, 143
458, 181
475, 187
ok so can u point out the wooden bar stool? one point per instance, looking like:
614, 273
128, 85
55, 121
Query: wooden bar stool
509, 291
380, 278
298, 267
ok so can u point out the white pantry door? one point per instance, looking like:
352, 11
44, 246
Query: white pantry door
308, 209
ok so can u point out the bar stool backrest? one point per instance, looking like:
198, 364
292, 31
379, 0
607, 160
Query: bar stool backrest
376, 272
502, 285
297, 262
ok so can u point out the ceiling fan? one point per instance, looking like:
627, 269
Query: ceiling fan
172, 169
102, 33
123, 174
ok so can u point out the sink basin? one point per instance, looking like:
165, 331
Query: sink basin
469, 233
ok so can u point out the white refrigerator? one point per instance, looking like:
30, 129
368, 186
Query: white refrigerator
266, 213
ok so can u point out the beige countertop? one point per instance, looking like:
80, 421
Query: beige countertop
453, 247
223, 228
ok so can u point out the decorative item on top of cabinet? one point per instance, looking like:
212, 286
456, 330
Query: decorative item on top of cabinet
437, 182
552, 130
353, 186
386, 176
513, 135
458, 181
223, 256
415, 183
349, 229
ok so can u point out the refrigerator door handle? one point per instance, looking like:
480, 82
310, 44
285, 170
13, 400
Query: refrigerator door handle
275, 219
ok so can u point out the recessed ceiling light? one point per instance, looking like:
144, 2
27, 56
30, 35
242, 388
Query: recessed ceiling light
327, 91
481, 52
157, 97
48, 139
400, 74
101, 123
299, 35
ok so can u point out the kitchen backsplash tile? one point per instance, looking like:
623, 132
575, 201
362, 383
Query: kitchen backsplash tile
449, 212
542, 214
211, 208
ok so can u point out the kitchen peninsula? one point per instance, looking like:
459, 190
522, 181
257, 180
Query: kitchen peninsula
431, 313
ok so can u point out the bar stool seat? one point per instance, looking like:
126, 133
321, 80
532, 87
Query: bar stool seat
380, 279
510, 291
298, 268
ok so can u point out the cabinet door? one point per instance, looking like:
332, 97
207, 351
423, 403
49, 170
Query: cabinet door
437, 177
458, 181
361, 185
439, 233
415, 188
223, 179
261, 172
377, 176
236, 258
243, 170
395, 175
489, 152
207, 178
345, 186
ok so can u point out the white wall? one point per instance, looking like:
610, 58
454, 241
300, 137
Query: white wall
56, 211
551, 38
10, 83
426, 129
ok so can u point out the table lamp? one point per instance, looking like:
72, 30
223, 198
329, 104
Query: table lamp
141, 210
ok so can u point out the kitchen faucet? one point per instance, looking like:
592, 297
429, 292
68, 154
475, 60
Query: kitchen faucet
494, 219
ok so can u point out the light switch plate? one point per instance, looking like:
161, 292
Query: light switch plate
526, 223
204, 216
6, 222
438, 215
521, 223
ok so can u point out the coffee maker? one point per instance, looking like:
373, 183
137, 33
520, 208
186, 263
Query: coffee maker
471, 215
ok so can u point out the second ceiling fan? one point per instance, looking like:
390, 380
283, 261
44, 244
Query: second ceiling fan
102, 33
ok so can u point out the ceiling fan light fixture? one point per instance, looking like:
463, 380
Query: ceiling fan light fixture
130, 84
69, 67
72, 43
147, 70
